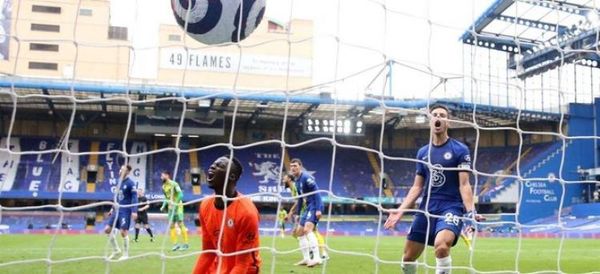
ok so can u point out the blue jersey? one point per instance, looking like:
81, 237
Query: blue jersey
306, 184
127, 195
444, 183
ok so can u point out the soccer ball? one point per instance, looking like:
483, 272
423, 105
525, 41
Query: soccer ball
217, 21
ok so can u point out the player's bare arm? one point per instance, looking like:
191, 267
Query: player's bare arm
290, 213
467, 195
412, 196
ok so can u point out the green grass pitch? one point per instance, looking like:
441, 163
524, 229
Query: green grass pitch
491, 254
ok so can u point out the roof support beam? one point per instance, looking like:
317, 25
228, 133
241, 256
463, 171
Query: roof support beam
306, 112
561, 6
499, 42
103, 103
256, 113
532, 23
365, 111
226, 102
549, 58
49, 101
393, 122
487, 17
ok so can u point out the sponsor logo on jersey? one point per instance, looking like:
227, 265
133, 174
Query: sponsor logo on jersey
438, 178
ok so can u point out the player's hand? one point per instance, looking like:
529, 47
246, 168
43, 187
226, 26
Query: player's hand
110, 213
479, 217
134, 216
470, 216
391, 221
318, 214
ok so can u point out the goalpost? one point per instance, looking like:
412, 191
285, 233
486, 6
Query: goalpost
356, 48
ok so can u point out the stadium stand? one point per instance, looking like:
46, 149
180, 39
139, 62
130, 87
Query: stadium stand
353, 174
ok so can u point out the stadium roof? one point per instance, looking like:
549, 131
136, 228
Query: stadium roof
540, 34
54, 96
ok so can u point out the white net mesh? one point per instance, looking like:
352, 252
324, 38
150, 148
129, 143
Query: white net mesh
404, 55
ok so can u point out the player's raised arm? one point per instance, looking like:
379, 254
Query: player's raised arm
412, 196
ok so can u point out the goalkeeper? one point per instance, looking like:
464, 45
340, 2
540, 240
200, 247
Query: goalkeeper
174, 203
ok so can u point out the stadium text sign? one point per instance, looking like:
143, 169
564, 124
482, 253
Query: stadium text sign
179, 58
138, 164
69, 168
39, 172
540, 192
8, 163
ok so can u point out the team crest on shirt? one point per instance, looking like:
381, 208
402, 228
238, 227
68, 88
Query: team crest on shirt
448, 155
438, 178
230, 222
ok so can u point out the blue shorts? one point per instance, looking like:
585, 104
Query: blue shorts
123, 219
309, 216
450, 220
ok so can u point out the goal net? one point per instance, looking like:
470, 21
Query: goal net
345, 86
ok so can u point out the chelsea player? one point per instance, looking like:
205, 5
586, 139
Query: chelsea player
309, 218
288, 181
127, 199
447, 196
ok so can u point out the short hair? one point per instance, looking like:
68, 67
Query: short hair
436, 106
235, 164
238, 166
166, 172
128, 167
297, 161
290, 176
